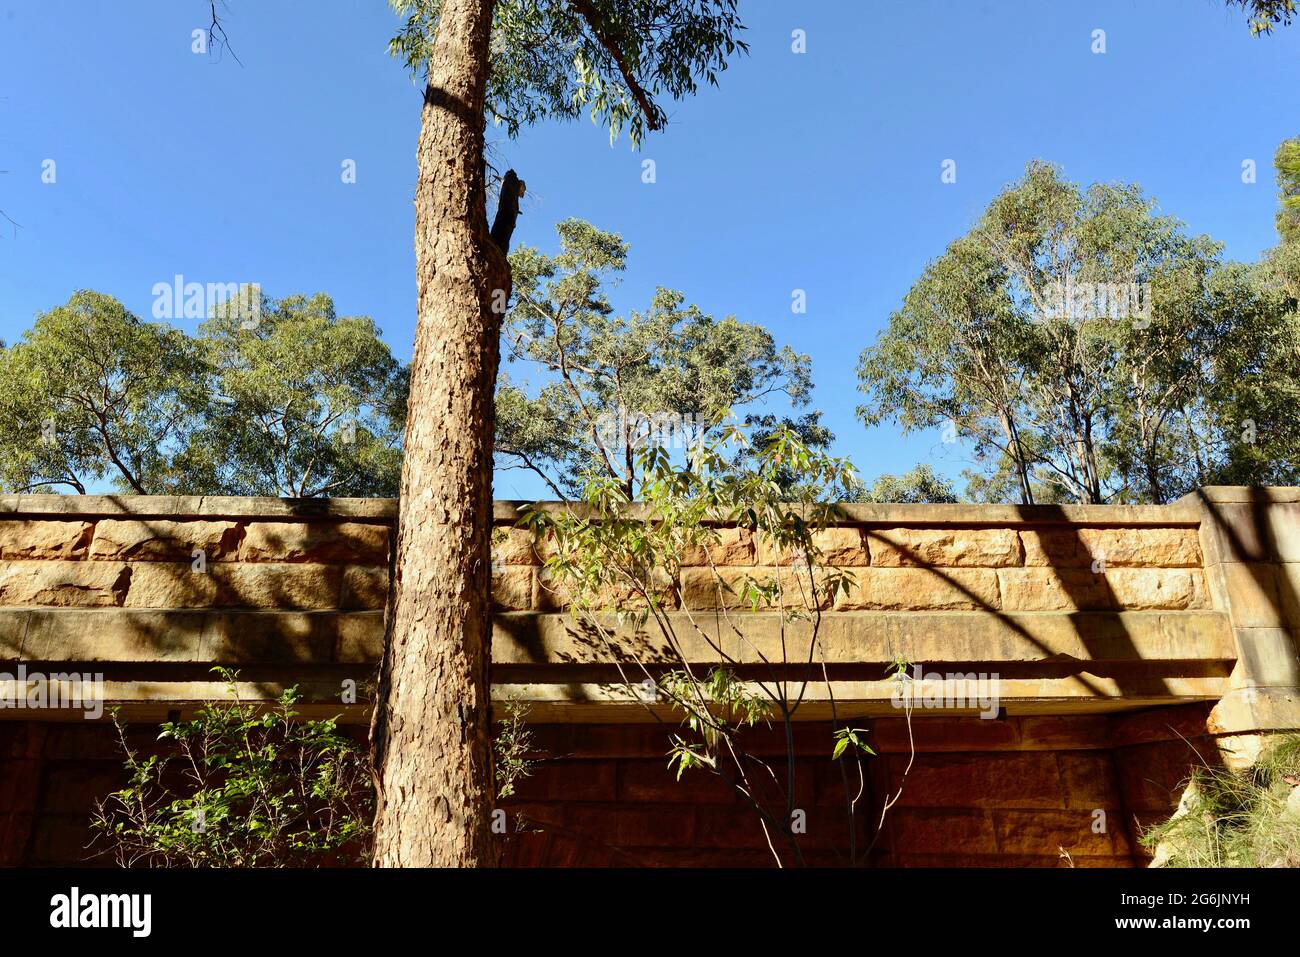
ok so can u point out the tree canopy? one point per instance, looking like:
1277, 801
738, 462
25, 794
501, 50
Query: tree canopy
919, 485
610, 384
299, 402
1090, 350
93, 393
306, 404
615, 59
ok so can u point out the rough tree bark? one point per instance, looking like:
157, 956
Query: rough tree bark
431, 732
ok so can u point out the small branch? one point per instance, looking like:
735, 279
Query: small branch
653, 117
217, 33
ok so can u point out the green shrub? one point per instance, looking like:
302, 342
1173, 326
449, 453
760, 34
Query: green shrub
1247, 818
241, 786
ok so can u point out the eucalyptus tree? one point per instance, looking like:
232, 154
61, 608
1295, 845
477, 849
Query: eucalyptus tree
1090, 349
919, 485
1287, 163
516, 61
613, 384
92, 393
304, 403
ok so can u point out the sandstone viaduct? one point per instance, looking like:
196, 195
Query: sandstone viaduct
1116, 679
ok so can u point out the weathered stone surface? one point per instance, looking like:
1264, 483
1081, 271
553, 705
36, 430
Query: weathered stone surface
940, 831
360, 638
160, 540
357, 543
703, 588
1157, 641
43, 539
1089, 781
1260, 532
207, 506
1152, 776
243, 637
365, 587
844, 546
1070, 589
166, 585
13, 629
513, 546
944, 547
1112, 547
734, 546
84, 584
1027, 779
114, 635
901, 589
553, 593
1288, 585
1251, 593
1042, 832
512, 588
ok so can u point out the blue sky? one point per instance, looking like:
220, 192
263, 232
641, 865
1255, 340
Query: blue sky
818, 171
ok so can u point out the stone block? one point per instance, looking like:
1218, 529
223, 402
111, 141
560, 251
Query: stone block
512, 587
1115, 547
63, 583
945, 547
1023, 779
159, 540
365, 587
732, 546
920, 589
1045, 832
43, 539
840, 545
944, 831
166, 585
1252, 594
1080, 589
513, 546
357, 543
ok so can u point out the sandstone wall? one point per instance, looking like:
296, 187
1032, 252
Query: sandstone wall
1074, 607
1111, 628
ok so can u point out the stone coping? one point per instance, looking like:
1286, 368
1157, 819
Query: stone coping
1186, 512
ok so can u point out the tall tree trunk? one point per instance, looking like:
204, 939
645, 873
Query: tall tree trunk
431, 731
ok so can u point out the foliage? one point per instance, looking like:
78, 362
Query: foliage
1184, 380
300, 403
1287, 163
242, 787
306, 404
619, 565
615, 59
91, 391
919, 485
1247, 818
512, 744
612, 380
1265, 14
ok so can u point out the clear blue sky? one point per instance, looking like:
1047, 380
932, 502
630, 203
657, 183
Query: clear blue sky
817, 171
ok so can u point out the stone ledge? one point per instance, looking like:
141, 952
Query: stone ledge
1177, 515
1241, 494
198, 506
1154, 639
589, 703
875, 638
